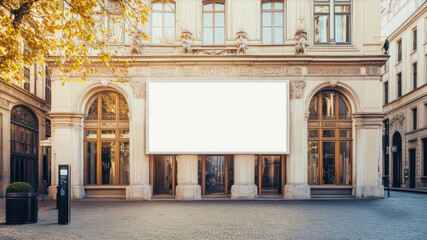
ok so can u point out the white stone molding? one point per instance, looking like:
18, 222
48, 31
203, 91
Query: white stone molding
297, 89
163, 71
138, 88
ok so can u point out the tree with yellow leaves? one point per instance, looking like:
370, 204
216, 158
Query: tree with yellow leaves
71, 32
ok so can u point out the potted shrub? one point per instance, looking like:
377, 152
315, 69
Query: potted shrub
21, 203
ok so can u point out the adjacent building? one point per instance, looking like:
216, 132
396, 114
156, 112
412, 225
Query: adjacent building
404, 24
24, 125
328, 53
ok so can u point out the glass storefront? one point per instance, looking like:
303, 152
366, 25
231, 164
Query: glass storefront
269, 174
216, 174
164, 174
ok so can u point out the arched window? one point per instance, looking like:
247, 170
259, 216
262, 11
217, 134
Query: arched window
329, 139
106, 140
213, 22
24, 140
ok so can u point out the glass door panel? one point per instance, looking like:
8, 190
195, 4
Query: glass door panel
313, 162
345, 163
163, 174
328, 162
91, 168
124, 174
271, 174
215, 174
108, 163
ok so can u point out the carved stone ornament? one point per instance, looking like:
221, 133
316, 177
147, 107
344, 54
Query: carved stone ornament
300, 38
297, 89
397, 119
138, 88
186, 40
241, 42
136, 43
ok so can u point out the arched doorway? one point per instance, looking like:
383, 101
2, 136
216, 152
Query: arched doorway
329, 139
24, 140
397, 159
106, 140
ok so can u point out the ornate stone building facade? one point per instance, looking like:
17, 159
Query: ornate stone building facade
334, 71
24, 125
405, 93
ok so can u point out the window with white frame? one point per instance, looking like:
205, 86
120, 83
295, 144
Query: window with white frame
272, 21
213, 22
340, 12
163, 22
112, 20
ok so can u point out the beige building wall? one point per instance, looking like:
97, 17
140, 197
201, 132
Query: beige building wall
399, 117
352, 69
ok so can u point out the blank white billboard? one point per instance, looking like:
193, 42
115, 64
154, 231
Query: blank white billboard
217, 117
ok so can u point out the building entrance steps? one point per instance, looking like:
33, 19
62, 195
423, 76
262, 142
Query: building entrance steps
331, 192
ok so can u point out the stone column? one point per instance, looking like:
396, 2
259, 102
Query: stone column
187, 187
67, 148
296, 165
368, 155
139, 188
244, 177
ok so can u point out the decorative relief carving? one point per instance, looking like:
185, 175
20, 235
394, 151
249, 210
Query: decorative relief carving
241, 42
300, 38
397, 119
329, 124
372, 70
245, 70
202, 51
137, 44
138, 88
268, 71
215, 71
108, 124
297, 89
4, 103
293, 70
186, 40
162, 71
333, 70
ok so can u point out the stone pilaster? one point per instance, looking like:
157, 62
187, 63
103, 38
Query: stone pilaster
188, 187
296, 166
367, 165
67, 148
244, 177
139, 188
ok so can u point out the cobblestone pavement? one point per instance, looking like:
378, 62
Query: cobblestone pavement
403, 216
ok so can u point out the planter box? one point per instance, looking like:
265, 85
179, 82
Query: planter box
21, 208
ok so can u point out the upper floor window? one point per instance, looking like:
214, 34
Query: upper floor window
340, 12
414, 119
213, 22
113, 21
399, 50
163, 22
414, 40
48, 88
385, 93
414, 75
26, 82
272, 21
399, 85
